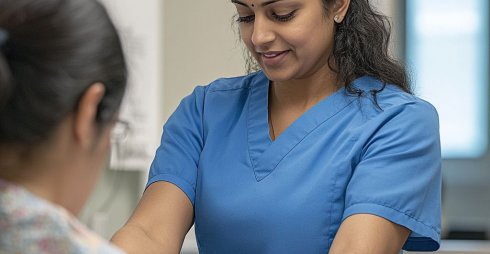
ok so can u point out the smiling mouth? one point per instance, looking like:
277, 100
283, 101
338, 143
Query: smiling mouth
273, 59
272, 54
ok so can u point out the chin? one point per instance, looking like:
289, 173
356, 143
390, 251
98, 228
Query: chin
278, 75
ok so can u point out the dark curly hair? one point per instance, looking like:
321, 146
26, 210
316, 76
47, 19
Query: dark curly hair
360, 48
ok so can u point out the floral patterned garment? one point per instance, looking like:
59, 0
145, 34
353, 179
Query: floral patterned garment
29, 224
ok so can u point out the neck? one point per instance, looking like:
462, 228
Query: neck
55, 172
51, 179
303, 93
289, 100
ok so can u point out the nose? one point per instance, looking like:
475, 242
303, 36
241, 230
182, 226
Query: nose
263, 33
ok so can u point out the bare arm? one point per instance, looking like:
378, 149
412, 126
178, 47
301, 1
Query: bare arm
369, 234
160, 222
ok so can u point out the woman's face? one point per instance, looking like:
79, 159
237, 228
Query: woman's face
290, 39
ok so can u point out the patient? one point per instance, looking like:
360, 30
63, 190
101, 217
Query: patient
62, 79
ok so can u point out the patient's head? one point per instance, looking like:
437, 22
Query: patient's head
62, 79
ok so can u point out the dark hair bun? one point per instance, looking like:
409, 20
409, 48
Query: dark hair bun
53, 51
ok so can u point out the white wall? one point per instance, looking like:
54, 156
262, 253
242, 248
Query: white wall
199, 46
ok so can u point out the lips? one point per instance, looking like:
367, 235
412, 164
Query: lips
273, 54
273, 58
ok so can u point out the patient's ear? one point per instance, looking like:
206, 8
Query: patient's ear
85, 128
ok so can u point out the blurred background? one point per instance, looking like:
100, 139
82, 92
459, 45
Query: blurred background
172, 46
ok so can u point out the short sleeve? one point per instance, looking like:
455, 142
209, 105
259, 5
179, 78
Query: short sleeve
177, 157
398, 176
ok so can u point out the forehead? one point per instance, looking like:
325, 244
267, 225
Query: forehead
255, 2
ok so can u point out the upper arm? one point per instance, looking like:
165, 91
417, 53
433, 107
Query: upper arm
398, 176
165, 212
177, 158
164, 208
369, 234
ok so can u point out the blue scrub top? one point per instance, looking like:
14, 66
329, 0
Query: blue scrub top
343, 156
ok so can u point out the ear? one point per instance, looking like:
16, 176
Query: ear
86, 114
339, 10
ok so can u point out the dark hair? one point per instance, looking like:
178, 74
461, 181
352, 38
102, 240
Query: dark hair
360, 48
54, 51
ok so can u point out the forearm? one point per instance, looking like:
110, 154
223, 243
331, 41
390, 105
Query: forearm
364, 248
133, 239
160, 222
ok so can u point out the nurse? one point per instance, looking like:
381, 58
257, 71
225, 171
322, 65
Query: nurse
323, 149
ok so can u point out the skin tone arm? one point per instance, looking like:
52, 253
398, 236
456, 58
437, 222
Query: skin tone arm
160, 222
369, 234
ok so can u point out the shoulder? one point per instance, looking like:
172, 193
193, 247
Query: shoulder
236, 83
224, 90
390, 100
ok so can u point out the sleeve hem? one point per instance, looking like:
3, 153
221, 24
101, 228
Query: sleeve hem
422, 238
182, 184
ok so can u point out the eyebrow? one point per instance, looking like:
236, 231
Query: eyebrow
263, 4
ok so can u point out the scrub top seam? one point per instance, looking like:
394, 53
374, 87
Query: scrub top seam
227, 89
394, 209
202, 127
330, 226
159, 176
330, 233
250, 92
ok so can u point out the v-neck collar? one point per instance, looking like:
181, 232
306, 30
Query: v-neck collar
265, 154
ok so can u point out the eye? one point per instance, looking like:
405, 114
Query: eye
284, 18
246, 19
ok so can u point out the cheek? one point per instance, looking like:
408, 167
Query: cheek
312, 36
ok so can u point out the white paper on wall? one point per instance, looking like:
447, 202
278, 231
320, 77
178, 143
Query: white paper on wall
140, 28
